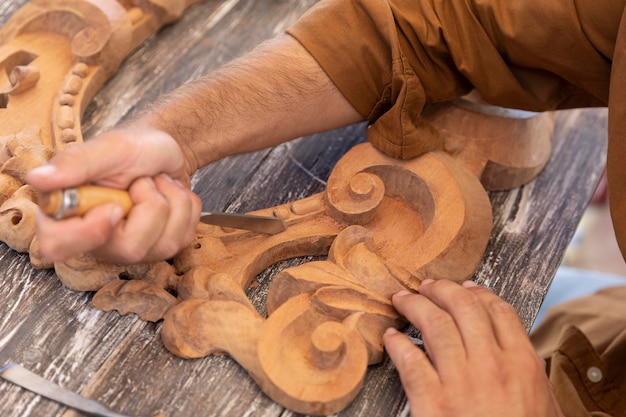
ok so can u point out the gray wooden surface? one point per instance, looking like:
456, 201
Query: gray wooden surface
121, 361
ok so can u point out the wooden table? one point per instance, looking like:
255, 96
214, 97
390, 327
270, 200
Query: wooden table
120, 360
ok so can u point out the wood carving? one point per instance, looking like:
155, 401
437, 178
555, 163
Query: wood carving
385, 224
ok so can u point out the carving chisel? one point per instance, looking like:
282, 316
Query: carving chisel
26, 379
77, 201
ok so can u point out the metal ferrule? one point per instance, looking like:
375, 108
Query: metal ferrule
69, 204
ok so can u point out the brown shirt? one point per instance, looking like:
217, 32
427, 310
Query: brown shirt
390, 58
584, 344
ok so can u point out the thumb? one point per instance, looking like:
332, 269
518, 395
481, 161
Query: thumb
76, 165
63, 170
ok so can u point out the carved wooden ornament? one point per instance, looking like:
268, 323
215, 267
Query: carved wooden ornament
385, 224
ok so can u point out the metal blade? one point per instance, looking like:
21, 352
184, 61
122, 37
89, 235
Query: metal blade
26, 379
260, 224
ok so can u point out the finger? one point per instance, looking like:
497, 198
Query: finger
508, 328
131, 240
146, 152
441, 336
76, 165
183, 218
416, 372
60, 240
467, 310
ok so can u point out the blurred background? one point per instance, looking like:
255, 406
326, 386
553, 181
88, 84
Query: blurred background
592, 260
593, 247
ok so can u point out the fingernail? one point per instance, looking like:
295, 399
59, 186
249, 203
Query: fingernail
469, 284
44, 170
427, 281
390, 331
116, 215
402, 293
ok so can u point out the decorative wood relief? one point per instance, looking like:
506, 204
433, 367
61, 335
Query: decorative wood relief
385, 224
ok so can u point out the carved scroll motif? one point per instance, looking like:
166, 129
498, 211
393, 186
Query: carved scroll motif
385, 224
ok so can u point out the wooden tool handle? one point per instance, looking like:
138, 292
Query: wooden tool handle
78, 201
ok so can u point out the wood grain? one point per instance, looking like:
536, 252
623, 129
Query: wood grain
534, 223
121, 361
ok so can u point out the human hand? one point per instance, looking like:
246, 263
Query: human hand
479, 360
147, 162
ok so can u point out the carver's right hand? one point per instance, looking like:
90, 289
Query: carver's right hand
148, 163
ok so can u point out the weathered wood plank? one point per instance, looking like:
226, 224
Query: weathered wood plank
8, 8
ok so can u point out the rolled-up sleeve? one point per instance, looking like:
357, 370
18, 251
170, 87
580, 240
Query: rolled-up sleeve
390, 58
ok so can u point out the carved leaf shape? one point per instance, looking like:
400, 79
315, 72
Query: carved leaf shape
85, 273
147, 300
25, 158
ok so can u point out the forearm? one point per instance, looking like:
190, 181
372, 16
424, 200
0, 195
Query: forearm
273, 94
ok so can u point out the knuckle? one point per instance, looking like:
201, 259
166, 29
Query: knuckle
195, 198
502, 308
49, 250
465, 299
133, 253
167, 249
160, 204
412, 359
99, 236
438, 318
189, 237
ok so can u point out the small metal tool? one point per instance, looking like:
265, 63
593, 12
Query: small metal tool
62, 204
259, 224
26, 379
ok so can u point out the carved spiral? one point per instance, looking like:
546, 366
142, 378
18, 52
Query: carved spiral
355, 199
315, 365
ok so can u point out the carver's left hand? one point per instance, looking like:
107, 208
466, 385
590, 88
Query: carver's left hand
479, 360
